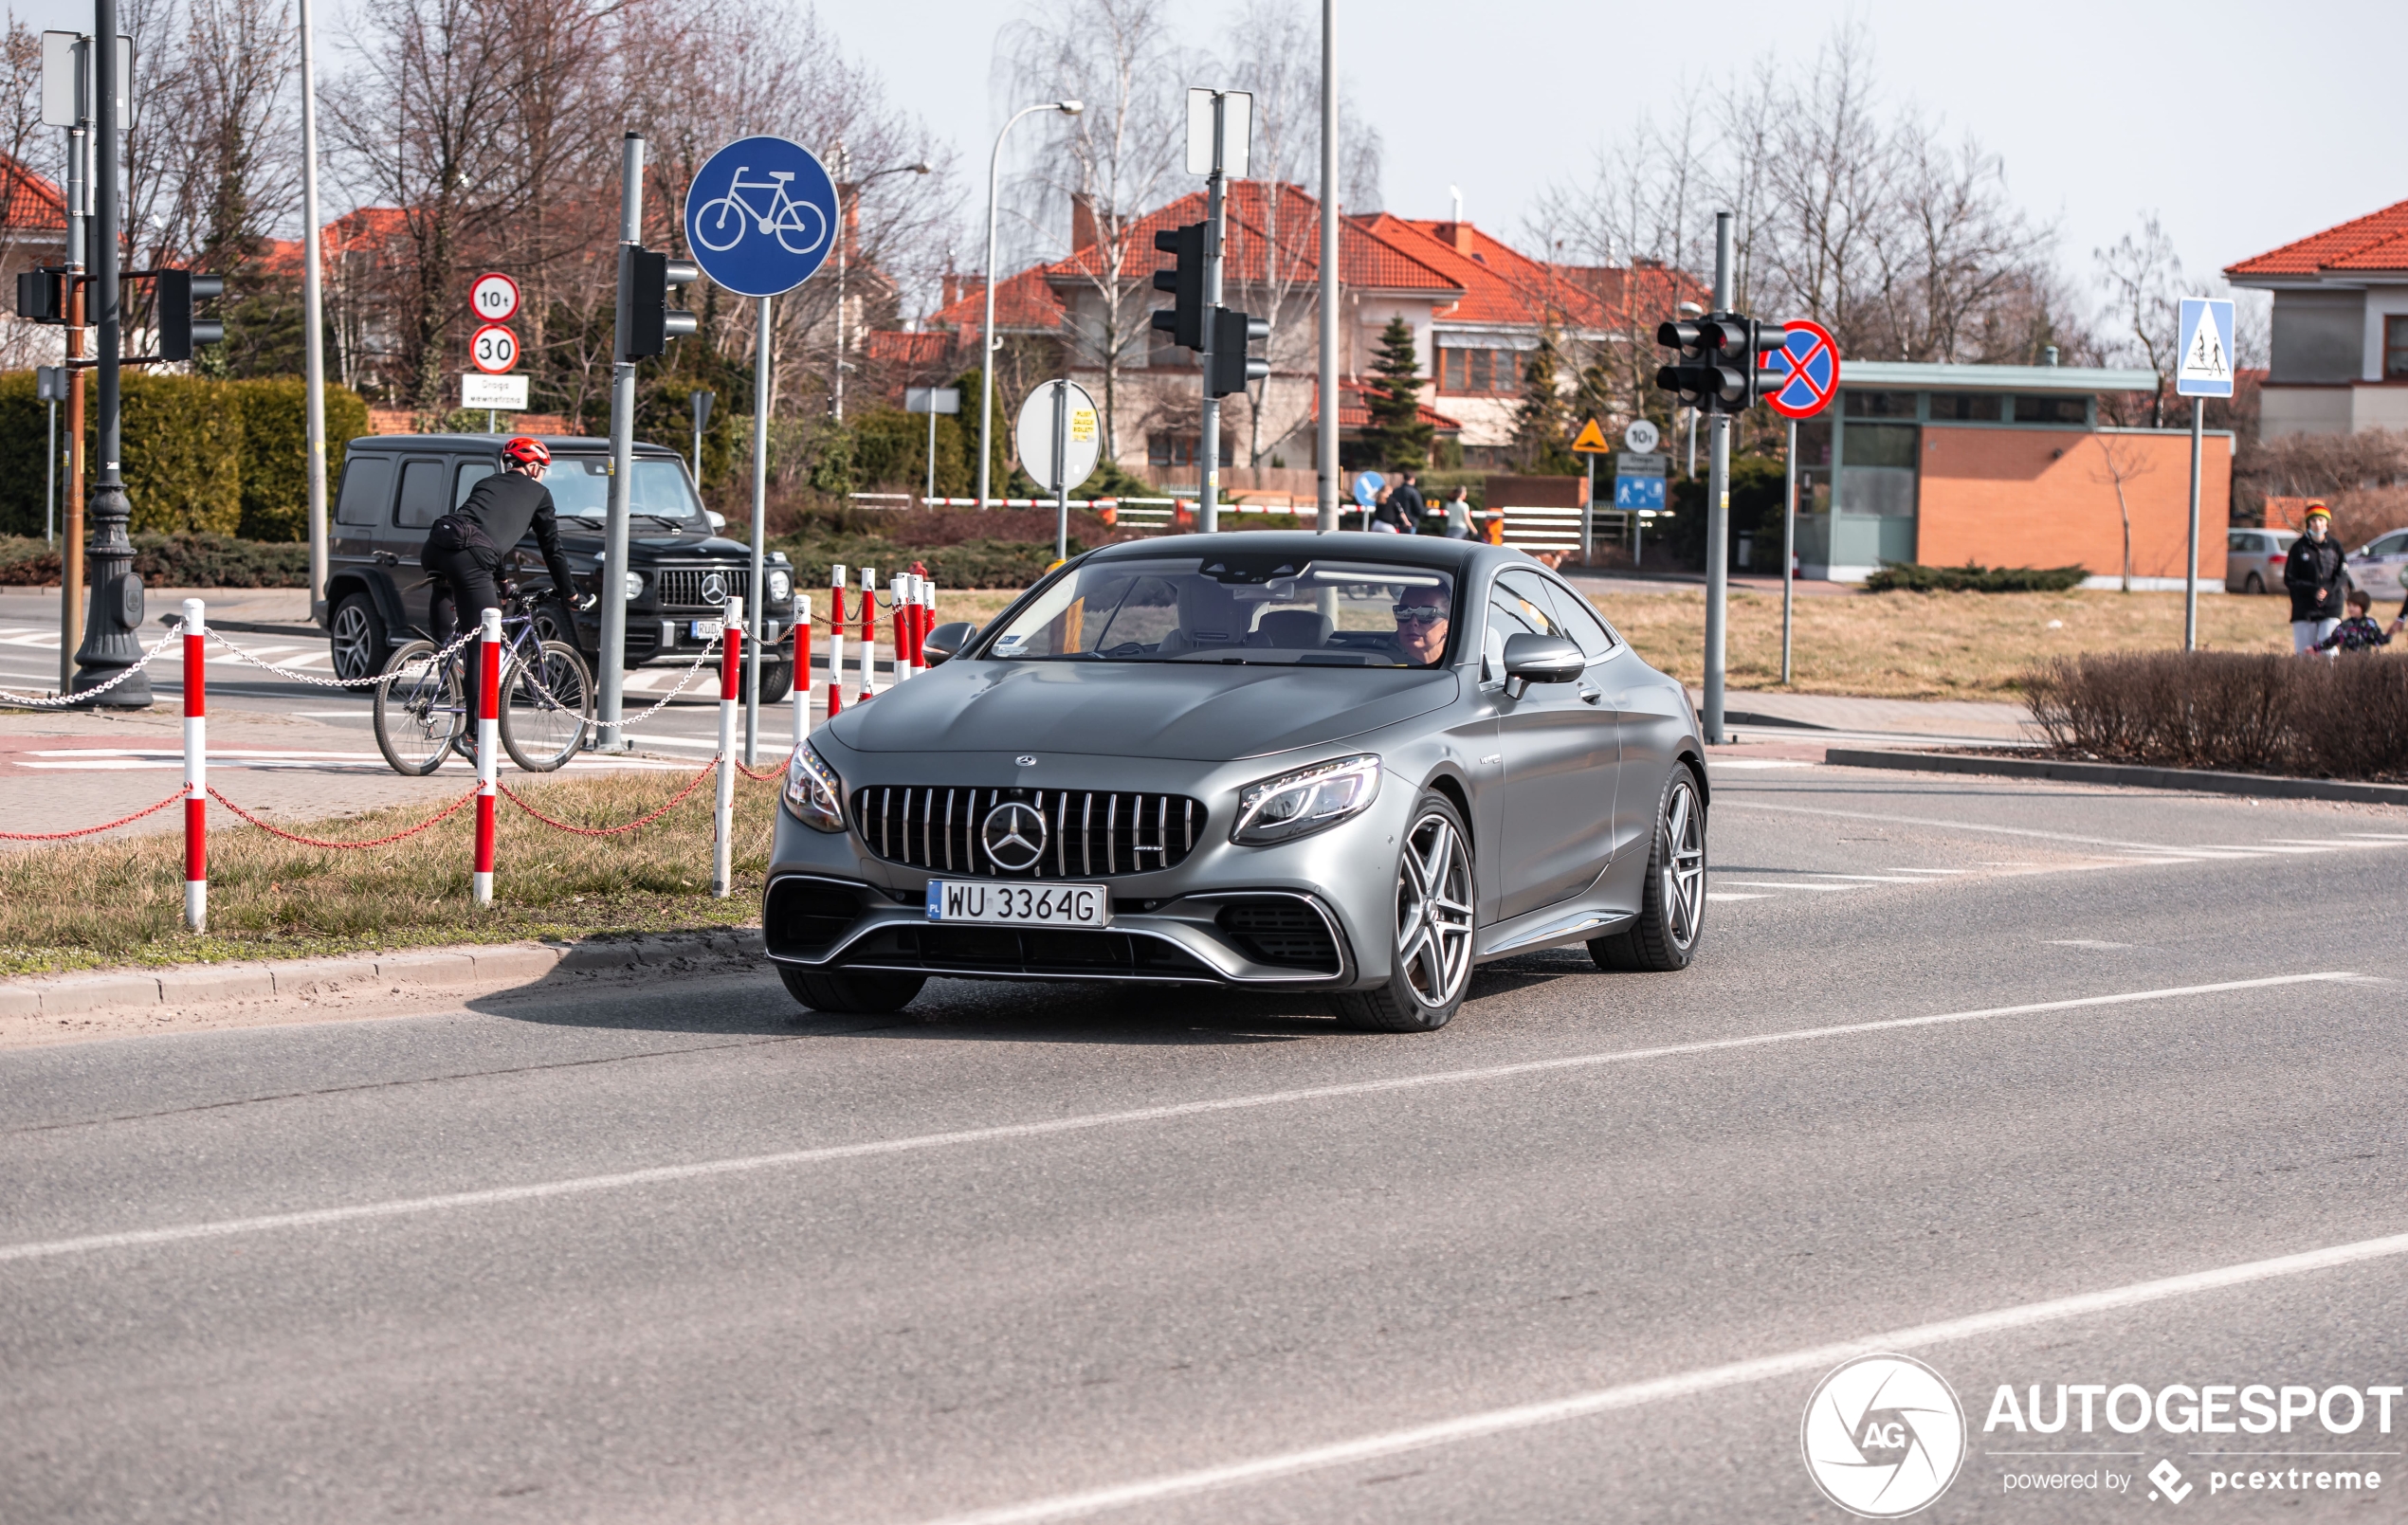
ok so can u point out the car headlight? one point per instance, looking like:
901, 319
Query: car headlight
780, 586
1293, 804
813, 793
634, 586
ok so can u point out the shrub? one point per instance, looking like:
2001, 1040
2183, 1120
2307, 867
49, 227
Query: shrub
171, 561
274, 464
2242, 713
1911, 577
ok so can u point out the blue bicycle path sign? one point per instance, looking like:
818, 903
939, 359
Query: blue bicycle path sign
760, 216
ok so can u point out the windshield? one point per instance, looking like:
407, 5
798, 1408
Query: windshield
581, 489
1237, 608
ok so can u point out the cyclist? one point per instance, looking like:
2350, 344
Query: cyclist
464, 548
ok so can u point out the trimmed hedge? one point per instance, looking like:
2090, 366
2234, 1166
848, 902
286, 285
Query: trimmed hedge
171, 561
200, 456
1912, 578
2229, 711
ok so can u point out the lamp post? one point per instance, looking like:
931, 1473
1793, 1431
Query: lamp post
844, 235
110, 645
1326, 427
987, 335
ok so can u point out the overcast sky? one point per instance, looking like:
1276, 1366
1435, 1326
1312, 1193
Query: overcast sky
2243, 126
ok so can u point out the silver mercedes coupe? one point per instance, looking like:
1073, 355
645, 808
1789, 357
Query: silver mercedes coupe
1357, 764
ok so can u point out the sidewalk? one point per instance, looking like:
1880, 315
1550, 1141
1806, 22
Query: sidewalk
1766, 716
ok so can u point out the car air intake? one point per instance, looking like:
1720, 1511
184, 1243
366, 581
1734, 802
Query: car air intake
1286, 932
805, 915
1085, 834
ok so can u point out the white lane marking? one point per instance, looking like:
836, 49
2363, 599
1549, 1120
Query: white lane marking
1758, 762
2158, 847
2377, 836
1718, 894
1681, 1385
918, 1142
1785, 884
1932, 870
1869, 879
2083, 942
104, 765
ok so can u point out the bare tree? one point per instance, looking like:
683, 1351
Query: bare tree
2144, 279
2120, 457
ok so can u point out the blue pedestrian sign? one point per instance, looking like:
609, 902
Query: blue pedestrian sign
760, 216
2205, 368
1639, 492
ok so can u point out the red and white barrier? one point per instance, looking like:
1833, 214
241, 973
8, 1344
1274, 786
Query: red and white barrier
868, 635
836, 641
731, 663
489, 746
195, 767
801, 697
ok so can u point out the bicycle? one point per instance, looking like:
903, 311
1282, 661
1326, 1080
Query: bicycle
784, 215
546, 709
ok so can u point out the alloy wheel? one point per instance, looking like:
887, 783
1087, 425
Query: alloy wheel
1682, 864
352, 639
1433, 912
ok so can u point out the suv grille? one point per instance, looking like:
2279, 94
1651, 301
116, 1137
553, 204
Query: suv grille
1088, 834
681, 587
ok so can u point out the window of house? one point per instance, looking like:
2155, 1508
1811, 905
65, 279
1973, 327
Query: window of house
1878, 404
2051, 409
1180, 449
1478, 372
2396, 347
1966, 406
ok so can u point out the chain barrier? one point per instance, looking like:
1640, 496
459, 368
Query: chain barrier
448, 812
82, 695
86, 832
300, 676
691, 785
625, 721
767, 775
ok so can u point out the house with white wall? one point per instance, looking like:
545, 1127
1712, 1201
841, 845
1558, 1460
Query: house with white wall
2340, 360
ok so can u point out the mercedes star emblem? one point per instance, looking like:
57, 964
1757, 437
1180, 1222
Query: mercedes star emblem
1013, 836
714, 588
1025, 761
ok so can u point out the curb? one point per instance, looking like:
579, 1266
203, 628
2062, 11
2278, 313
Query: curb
498, 966
2195, 779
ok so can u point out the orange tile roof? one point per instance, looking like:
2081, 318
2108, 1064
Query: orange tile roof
1501, 285
2378, 240
1365, 258
909, 349
28, 199
1023, 301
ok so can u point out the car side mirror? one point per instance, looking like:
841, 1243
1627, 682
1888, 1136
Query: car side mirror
1530, 658
718, 520
942, 642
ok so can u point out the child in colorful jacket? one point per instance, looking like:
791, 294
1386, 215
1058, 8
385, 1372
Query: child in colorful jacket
2358, 632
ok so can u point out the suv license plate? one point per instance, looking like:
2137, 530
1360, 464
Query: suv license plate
707, 629
1030, 906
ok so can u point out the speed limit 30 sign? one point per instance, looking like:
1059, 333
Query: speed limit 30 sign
494, 298
493, 350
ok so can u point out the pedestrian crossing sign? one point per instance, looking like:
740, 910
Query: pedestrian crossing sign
2205, 368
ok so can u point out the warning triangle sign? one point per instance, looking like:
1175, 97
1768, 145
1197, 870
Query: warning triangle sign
1592, 440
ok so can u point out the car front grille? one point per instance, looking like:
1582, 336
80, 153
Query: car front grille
681, 587
1088, 834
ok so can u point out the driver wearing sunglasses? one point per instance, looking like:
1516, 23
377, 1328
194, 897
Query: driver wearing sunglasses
1421, 625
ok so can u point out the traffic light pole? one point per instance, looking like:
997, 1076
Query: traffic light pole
110, 646
1717, 508
608, 735
1326, 427
1208, 449
71, 521
314, 323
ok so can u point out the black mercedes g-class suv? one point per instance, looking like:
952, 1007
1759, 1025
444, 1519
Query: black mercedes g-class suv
680, 568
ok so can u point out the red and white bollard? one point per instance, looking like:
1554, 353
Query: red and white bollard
801, 697
489, 746
195, 767
836, 641
731, 663
899, 598
869, 634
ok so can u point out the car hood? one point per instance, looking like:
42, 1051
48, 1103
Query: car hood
1204, 712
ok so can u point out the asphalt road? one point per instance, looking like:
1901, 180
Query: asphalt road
1035, 1253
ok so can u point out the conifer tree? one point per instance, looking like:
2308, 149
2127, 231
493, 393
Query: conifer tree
1396, 434
1541, 431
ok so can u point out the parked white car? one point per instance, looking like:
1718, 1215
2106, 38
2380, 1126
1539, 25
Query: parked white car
2253, 559
2377, 566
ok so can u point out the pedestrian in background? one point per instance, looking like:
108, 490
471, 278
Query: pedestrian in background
1385, 517
1409, 508
2314, 576
1458, 512
2358, 632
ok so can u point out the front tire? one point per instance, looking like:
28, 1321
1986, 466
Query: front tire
853, 990
1665, 936
355, 633
1430, 965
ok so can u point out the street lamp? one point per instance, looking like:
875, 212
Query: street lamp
843, 229
987, 336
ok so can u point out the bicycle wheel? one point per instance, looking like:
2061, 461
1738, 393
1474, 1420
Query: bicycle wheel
546, 708
418, 710
722, 219
805, 222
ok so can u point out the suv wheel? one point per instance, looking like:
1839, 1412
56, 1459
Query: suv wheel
776, 682
356, 632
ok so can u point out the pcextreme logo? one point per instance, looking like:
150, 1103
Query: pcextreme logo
1884, 1436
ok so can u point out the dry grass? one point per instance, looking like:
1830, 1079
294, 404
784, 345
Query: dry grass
81, 905
1931, 645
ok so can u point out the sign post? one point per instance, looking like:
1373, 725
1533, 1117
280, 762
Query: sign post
2205, 371
931, 400
761, 219
1060, 439
1808, 366
1219, 133
1590, 443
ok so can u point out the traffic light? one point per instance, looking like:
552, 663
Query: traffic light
1717, 371
1184, 318
42, 296
643, 297
1232, 368
180, 333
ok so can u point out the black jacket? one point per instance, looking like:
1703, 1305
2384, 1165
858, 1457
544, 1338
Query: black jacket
2315, 567
1409, 504
504, 506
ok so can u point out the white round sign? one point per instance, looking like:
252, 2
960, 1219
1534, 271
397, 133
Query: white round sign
493, 350
1083, 428
1641, 437
494, 298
